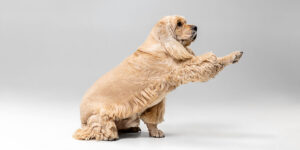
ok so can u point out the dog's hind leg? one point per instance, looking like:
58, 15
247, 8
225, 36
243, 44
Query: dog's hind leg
98, 128
129, 125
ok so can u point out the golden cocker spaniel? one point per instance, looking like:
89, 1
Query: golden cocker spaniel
136, 88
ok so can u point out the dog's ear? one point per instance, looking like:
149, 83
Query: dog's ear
177, 50
164, 31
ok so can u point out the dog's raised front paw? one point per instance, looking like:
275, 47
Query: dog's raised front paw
236, 56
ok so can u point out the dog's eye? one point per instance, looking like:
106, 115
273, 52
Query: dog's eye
179, 24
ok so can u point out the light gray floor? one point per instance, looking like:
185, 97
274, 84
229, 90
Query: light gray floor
260, 122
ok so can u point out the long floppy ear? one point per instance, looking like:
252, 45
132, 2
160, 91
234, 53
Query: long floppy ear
176, 49
164, 32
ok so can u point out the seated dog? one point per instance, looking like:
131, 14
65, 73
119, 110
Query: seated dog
136, 88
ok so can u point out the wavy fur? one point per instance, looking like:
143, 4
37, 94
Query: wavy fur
136, 88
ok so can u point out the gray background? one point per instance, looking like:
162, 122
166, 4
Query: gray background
53, 50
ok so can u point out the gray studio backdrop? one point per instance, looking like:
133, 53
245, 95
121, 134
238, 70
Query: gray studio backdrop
51, 52
62, 47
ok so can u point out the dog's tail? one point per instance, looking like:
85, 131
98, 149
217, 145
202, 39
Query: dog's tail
83, 134
98, 128
88, 133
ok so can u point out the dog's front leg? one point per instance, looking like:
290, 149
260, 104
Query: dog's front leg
152, 117
232, 58
202, 68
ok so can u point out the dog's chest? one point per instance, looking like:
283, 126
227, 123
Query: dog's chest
158, 100
155, 102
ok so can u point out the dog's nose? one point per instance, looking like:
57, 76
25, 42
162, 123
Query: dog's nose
194, 27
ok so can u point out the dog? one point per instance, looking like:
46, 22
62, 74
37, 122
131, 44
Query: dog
137, 87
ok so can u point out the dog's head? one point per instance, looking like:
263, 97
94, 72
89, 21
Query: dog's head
177, 28
175, 35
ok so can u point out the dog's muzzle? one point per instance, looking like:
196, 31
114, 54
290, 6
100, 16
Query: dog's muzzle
194, 36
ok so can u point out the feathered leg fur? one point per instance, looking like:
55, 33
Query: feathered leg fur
153, 116
202, 68
98, 128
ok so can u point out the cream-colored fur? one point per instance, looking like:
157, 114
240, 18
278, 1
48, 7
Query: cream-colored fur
136, 88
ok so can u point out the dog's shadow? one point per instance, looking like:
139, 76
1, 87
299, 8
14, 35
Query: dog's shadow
203, 134
200, 130
123, 135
